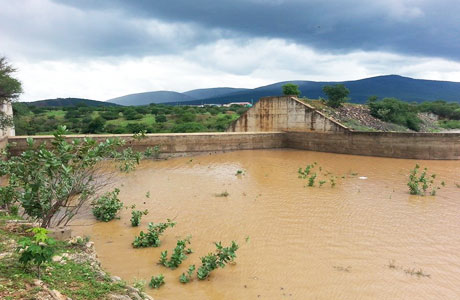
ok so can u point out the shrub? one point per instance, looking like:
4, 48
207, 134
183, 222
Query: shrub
157, 281
152, 237
186, 277
179, 254
106, 207
419, 183
336, 94
291, 89
136, 216
220, 258
52, 182
36, 250
396, 111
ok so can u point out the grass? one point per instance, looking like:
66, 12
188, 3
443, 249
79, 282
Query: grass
356, 126
449, 124
79, 281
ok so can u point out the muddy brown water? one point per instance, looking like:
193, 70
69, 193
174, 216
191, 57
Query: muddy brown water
361, 239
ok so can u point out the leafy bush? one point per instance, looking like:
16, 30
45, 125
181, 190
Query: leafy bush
336, 94
152, 237
106, 207
178, 254
136, 216
186, 277
419, 183
51, 182
291, 89
220, 258
396, 111
157, 281
36, 250
449, 124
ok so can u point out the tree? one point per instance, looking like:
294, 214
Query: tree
10, 89
336, 94
52, 182
290, 89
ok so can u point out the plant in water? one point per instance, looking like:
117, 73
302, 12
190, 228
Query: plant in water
332, 180
239, 172
152, 237
321, 182
304, 173
220, 258
106, 207
421, 181
223, 194
136, 216
186, 277
311, 179
177, 256
36, 250
157, 281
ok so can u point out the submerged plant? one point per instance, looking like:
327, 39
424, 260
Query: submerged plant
178, 255
223, 194
420, 182
311, 180
136, 216
106, 207
157, 281
152, 237
186, 277
220, 258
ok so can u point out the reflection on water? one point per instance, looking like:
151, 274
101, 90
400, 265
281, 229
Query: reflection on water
359, 240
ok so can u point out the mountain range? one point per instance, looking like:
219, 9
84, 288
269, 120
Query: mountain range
403, 88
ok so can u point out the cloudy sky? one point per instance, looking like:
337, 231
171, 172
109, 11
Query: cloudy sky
108, 48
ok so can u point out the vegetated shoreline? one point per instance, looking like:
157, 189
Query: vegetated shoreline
74, 273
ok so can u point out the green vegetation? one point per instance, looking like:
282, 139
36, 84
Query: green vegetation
223, 194
219, 258
395, 111
52, 182
106, 207
10, 89
186, 277
36, 250
419, 183
450, 124
312, 175
178, 255
152, 237
157, 281
336, 94
136, 216
291, 89
154, 118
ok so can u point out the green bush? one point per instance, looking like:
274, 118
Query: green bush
152, 237
220, 258
106, 207
136, 216
396, 111
291, 89
336, 94
36, 250
419, 183
186, 277
157, 281
179, 254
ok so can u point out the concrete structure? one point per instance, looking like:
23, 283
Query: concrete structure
7, 109
284, 114
286, 122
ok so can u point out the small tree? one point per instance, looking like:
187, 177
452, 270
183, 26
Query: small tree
38, 249
336, 94
52, 182
290, 89
10, 89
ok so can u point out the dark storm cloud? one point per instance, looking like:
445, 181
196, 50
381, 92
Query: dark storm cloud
414, 27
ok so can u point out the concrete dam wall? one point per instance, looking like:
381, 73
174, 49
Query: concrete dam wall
286, 122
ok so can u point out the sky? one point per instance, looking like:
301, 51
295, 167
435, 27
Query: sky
108, 48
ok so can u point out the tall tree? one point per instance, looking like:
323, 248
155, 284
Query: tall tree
10, 89
290, 89
336, 94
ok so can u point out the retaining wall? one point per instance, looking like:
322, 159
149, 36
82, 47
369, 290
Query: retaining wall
386, 144
179, 142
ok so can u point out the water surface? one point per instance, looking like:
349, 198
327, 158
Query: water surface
357, 240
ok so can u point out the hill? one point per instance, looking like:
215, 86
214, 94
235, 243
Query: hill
151, 97
404, 88
212, 92
68, 102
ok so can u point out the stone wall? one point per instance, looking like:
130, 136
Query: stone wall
7, 109
284, 114
386, 144
187, 143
